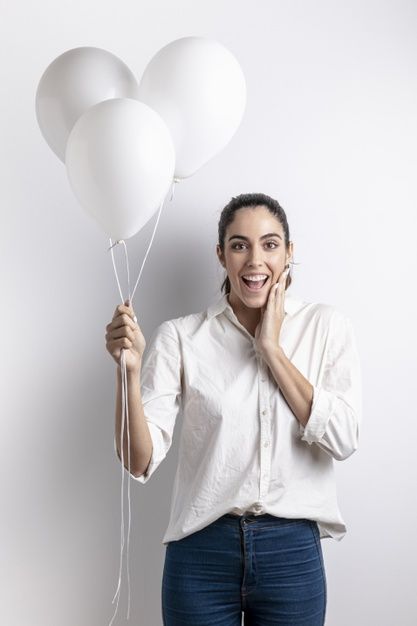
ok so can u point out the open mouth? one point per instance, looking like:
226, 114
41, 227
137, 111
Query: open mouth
255, 285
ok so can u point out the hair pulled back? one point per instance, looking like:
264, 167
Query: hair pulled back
251, 200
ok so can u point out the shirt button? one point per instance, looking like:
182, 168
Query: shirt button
262, 380
264, 412
266, 444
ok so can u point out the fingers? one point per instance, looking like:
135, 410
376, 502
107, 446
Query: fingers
123, 308
278, 288
121, 331
124, 315
122, 342
276, 291
122, 320
283, 277
124, 333
116, 346
280, 285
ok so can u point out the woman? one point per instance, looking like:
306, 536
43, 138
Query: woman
270, 392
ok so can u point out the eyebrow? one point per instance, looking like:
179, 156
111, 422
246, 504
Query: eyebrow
247, 238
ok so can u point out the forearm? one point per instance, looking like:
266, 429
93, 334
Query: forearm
140, 439
296, 389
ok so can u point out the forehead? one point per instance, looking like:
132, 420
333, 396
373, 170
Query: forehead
257, 218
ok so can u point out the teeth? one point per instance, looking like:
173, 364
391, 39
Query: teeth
256, 277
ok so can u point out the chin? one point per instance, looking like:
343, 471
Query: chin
253, 301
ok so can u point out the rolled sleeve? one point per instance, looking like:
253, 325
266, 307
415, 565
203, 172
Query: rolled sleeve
160, 382
336, 412
159, 452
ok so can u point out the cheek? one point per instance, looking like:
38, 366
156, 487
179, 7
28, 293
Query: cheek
233, 266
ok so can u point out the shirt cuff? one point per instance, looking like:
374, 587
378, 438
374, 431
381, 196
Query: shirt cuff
320, 413
158, 453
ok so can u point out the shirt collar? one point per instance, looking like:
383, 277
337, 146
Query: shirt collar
291, 305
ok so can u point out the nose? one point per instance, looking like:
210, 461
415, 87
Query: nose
255, 257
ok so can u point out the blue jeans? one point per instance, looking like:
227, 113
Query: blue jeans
269, 568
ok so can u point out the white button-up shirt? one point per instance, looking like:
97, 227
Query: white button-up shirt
241, 447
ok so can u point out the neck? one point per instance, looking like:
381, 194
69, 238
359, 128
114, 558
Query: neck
249, 317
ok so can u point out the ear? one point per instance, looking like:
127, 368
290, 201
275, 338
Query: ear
220, 255
290, 252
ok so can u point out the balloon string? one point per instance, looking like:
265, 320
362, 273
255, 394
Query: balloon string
122, 491
125, 405
115, 270
149, 247
174, 182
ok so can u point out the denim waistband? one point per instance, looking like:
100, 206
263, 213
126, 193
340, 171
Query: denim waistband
233, 518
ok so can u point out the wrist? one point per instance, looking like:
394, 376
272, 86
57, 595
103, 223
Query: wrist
131, 372
271, 352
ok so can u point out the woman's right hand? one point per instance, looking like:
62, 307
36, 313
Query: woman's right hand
124, 333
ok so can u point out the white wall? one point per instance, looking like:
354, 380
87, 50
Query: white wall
330, 130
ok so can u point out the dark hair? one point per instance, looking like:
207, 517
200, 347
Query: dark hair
251, 200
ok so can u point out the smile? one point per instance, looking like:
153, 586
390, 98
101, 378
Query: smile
252, 285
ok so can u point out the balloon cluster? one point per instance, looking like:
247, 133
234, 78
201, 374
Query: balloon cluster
123, 142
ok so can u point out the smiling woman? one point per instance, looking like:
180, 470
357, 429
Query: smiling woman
254, 248
270, 394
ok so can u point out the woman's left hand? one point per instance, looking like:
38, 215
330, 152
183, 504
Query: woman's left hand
272, 315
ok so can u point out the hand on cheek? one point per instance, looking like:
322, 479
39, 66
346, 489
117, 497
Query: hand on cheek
272, 315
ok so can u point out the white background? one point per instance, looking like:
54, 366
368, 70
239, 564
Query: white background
330, 130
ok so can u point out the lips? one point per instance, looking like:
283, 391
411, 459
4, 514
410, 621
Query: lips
252, 286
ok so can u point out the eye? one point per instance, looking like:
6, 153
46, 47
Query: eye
275, 245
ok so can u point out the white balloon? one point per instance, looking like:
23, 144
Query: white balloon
199, 89
120, 162
71, 84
